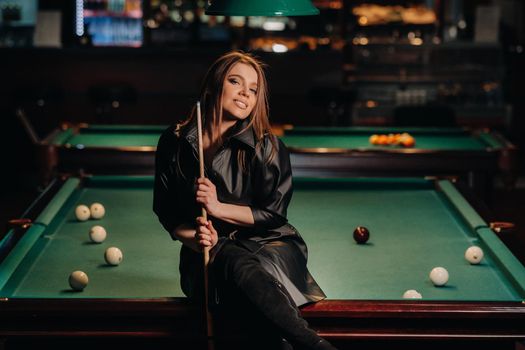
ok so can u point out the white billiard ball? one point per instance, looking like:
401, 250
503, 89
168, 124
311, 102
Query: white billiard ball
78, 280
474, 255
113, 256
97, 234
412, 294
82, 212
97, 211
439, 276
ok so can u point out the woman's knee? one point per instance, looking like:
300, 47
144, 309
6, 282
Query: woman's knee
235, 262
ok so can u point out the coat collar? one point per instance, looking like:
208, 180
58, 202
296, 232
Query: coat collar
241, 132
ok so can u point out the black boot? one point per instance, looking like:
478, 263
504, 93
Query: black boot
289, 318
269, 297
324, 345
285, 345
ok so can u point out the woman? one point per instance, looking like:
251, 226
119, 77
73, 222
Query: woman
256, 257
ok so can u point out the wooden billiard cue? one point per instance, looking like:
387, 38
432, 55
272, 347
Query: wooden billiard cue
206, 250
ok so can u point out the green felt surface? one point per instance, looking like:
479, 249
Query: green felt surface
414, 227
305, 137
150, 264
412, 230
360, 140
112, 136
350, 130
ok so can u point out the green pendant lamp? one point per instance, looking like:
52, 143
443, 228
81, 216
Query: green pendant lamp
261, 8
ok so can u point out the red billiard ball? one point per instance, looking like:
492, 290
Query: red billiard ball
361, 234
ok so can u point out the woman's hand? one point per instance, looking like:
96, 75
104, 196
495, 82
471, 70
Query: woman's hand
205, 234
207, 196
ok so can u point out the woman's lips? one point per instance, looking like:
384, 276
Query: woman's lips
240, 104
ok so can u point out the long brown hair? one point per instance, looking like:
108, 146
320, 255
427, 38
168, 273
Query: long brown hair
211, 99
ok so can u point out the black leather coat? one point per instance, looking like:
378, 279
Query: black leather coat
265, 186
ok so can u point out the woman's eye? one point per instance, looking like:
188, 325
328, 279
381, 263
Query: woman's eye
254, 91
234, 81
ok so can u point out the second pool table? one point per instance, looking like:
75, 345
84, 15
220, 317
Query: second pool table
415, 224
99, 149
475, 155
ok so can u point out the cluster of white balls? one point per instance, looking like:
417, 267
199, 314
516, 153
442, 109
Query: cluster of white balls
94, 211
78, 280
439, 275
113, 255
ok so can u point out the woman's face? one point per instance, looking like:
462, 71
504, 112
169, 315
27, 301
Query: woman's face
239, 92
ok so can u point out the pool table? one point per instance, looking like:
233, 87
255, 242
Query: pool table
415, 224
475, 155
99, 149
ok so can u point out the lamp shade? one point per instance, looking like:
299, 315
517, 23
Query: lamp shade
261, 8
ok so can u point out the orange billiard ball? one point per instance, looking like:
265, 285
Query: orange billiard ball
361, 234
408, 142
382, 140
373, 139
